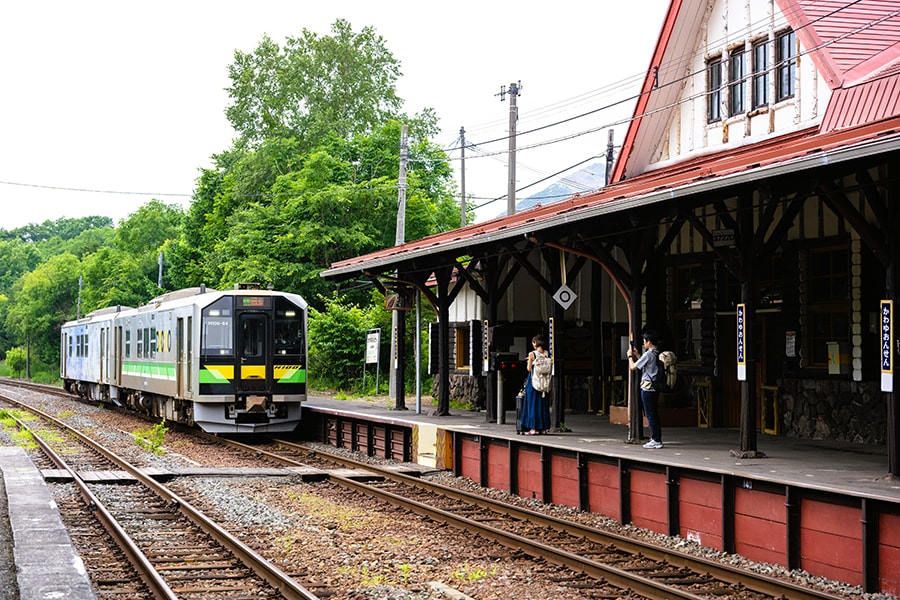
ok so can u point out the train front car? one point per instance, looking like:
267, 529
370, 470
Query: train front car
251, 362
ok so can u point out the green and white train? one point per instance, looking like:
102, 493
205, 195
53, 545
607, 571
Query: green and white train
226, 361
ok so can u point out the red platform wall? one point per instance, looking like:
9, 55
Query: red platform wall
603, 489
529, 474
470, 459
498, 472
831, 541
889, 553
759, 526
565, 480
700, 512
648, 501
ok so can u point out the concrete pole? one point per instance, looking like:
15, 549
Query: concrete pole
397, 327
462, 178
514, 90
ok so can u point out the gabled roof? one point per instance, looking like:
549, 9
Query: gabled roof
850, 42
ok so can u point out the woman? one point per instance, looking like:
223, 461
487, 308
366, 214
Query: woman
535, 408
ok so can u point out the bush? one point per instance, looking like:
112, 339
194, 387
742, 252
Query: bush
15, 361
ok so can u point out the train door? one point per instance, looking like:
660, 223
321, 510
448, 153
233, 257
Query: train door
116, 375
104, 366
255, 371
179, 357
183, 357
64, 356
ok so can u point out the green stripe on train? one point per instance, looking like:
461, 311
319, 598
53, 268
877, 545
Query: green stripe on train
151, 370
294, 376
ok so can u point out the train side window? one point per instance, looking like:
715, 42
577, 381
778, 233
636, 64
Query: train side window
140, 343
127, 343
152, 340
216, 333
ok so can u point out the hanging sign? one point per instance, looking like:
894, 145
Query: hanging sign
887, 336
741, 344
564, 296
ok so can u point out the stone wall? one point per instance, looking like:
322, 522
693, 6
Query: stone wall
464, 389
833, 410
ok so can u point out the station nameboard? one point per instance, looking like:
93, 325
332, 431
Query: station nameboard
887, 355
741, 344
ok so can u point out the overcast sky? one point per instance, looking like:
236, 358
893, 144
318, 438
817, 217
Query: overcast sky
107, 105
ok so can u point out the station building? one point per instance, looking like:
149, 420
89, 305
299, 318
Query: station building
758, 183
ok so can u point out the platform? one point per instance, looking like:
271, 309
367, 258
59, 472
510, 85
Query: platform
47, 563
857, 469
829, 508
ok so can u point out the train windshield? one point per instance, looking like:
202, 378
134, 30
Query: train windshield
289, 328
216, 334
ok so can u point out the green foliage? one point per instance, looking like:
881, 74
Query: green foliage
152, 439
15, 361
343, 83
44, 299
337, 337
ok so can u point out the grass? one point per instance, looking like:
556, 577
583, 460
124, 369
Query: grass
152, 439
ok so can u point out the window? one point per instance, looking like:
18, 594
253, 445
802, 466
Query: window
714, 87
216, 329
462, 347
127, 343
829, 301
289, 328
737, 72
760, 74
786, 65
687, 296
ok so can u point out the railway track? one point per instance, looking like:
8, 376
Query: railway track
603, 563
631, 566
173, 548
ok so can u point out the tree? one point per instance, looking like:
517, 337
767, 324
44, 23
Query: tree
341, 203
343, 84
44, 299
16, 360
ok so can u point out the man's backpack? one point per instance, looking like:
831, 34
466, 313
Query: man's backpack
666, 378
541, 372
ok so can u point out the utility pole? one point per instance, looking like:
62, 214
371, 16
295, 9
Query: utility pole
609, 157
462, 178
401, 190
514, 90
398, 319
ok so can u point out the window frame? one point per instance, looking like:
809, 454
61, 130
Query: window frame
737, 81
759, 97
714, 89
785, 64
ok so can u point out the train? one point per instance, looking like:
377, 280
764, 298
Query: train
232, 361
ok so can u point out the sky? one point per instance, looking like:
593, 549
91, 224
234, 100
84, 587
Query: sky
106, 105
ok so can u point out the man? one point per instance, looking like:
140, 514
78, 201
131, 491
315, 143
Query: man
648, 366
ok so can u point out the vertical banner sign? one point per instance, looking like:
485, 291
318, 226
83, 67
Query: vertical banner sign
396, 357
887, 337
485, 342
741, 344
552, 345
